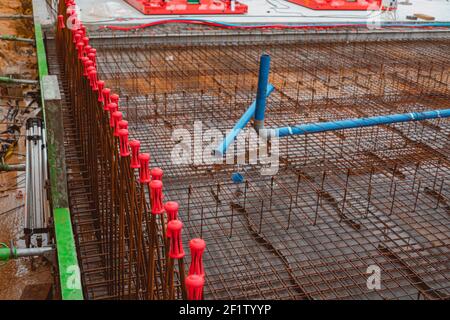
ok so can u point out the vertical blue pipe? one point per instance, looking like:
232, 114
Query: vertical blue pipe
261, 97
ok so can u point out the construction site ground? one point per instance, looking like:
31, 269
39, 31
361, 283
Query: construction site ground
25, 278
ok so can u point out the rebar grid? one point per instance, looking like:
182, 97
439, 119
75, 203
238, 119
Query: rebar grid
119, 228
342, 201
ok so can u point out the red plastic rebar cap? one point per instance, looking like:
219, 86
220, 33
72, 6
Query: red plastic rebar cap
176, 244
123, 136
90, 68
135, 143
61, 22
93, 78
107, 91
144, 176
171, 206
87, 49
117, 116
123, 124
144, 157
194, 286
111, 106
82, 30
93, 73
195, 281
77, 37
197, 247
157, 173
197, 244
80, 46
84, 61
157, 196
174, 225
114, 98
155, 184
106, 98
101, 85
87, 64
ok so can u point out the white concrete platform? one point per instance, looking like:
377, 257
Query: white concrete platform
113, 12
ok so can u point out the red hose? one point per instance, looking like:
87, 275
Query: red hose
225, 26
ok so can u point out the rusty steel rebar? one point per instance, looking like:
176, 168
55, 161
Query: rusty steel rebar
361, 174
117, 235
341, 201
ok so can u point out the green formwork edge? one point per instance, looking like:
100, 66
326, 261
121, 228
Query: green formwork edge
40, 48
41, 58
69, 271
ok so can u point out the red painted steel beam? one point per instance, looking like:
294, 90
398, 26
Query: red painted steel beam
185, 7
338, 4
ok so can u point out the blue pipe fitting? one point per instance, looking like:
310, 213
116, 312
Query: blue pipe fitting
242, 122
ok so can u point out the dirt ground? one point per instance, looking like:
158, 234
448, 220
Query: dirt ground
19, 61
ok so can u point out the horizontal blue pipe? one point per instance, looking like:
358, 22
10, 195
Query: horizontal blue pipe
242, 122
361, 122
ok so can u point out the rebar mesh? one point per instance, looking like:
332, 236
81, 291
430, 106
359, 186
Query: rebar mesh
341, 202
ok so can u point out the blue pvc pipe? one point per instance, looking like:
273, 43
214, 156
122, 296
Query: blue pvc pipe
261, 96
361, 122
242, 122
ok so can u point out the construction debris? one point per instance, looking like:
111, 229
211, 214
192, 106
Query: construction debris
424, 16
15, 38
12, 167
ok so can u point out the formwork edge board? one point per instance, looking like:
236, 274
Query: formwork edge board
40, 48
69, 273
41, 59
55, 141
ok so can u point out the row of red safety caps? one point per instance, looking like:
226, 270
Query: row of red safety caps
87, 56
